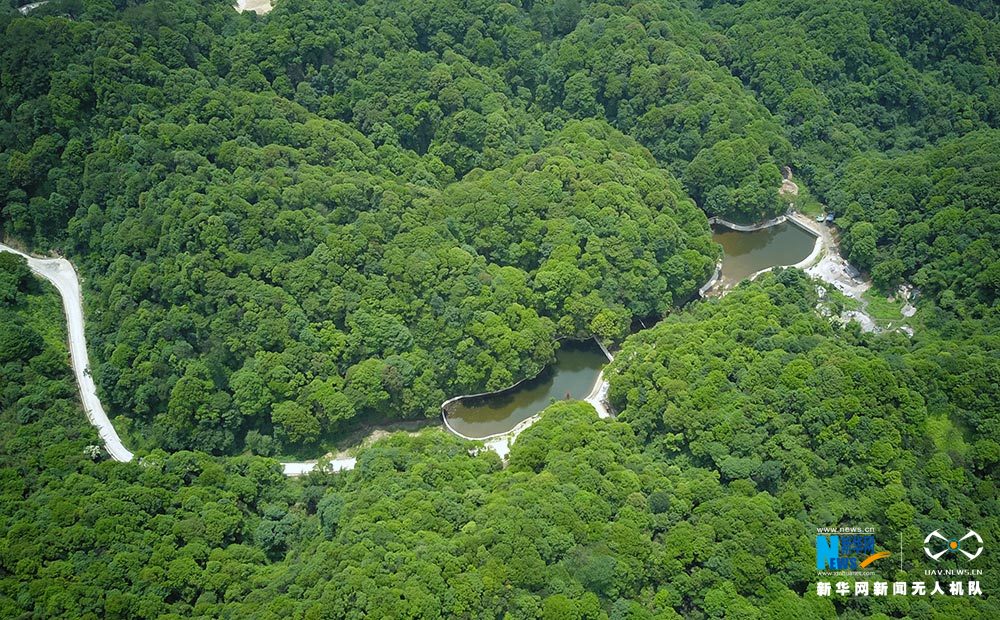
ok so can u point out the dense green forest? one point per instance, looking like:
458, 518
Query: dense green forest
351, 211
345, 211
929, 217
659, 514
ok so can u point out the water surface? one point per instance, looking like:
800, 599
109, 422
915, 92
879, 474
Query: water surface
574, 372
746, 253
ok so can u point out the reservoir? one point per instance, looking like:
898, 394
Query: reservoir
574, 372
578, 364
746, 253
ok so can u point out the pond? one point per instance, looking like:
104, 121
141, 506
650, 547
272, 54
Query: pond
574, 373
746, 253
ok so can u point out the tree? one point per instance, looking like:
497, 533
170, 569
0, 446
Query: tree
14, 277
295, 422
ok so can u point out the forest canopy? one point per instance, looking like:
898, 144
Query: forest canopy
290, 226
654, 515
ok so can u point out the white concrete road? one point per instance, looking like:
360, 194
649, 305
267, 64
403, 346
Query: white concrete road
334, 465
61, 274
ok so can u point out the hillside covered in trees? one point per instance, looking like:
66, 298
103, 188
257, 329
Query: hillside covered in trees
345, 212
655, 515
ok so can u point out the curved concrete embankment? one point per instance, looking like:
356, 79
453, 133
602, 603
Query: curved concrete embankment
823, 239
747, 227
599, 395
822, 243
62, 275
716, 275
454, 399
500, 442
818, 247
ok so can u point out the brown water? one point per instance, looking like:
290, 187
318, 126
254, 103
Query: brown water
574, 372
745, 253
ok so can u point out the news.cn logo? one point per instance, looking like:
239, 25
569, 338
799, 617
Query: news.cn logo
846, 552
971, 549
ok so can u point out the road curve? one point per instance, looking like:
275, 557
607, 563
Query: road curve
61, 274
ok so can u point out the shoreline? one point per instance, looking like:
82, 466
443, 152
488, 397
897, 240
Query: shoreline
501, 442
824, 263
61, 274
716, 276
593, 398
819, 246
823, 244
774, 221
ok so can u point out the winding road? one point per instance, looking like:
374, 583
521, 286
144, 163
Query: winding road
824, 263
61, 274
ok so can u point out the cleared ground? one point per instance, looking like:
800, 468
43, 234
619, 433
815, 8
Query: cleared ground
260, 7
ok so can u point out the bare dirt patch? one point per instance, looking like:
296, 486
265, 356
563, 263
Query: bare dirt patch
260, 7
